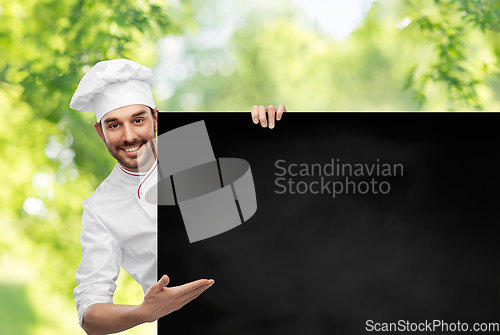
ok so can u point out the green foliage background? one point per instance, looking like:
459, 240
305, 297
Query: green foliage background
444, 57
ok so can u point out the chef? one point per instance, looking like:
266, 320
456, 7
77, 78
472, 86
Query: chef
118, 229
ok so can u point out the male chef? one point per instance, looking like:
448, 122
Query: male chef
119, 229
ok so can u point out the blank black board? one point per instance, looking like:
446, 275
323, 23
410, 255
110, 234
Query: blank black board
314, 264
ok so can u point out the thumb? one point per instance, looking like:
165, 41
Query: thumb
164, 280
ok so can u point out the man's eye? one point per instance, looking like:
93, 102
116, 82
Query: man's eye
138, 120
113, 126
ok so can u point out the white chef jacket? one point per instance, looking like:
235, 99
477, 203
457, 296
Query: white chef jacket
118, 229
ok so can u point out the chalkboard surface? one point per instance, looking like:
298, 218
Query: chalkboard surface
414, 237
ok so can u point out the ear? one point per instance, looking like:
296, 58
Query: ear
97, 127
156, 118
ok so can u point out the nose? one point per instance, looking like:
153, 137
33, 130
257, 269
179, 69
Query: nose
128, 134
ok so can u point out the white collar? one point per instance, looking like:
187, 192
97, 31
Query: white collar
130, 173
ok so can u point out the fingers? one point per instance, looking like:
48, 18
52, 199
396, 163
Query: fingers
255, 114
189, 287
267, 115
271, 111
262, 116
281, 110
197, 291
158, 286
167, 300
164, 280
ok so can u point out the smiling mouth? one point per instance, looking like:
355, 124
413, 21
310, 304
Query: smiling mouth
131, 151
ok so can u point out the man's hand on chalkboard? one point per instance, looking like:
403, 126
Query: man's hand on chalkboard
260, 114
160, 300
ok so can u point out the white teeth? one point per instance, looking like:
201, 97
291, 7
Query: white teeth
132, 149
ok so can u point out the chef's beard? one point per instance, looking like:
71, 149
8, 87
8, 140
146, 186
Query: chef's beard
141, 161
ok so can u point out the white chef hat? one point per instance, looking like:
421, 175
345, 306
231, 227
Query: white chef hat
112, 84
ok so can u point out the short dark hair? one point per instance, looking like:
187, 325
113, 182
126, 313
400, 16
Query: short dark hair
152, 114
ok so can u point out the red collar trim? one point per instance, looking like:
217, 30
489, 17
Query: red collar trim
136, 174
139, 189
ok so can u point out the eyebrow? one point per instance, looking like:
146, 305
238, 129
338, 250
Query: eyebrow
138, 113
133, 116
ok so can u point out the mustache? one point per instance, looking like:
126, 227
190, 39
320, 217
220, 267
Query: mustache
131, 144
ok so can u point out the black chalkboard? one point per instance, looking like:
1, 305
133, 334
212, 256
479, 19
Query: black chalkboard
309, 263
